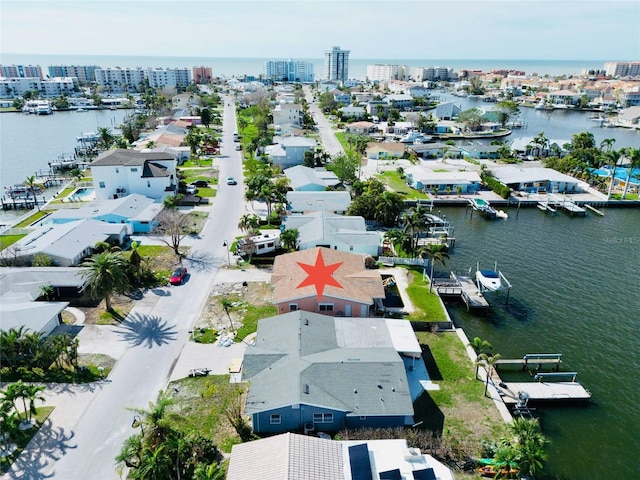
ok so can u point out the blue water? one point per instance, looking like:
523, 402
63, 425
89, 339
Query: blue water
83, 193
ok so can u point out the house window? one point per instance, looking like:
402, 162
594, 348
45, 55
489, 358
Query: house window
148, 183
325, 307
101, 184
323, 418
117, 170
275, 419
134, 169
293, 307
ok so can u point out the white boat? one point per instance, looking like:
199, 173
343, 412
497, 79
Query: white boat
81, 110
483, 206
491, 280
88, 137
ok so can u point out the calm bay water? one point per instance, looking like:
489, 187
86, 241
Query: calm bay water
576, 291
576, 280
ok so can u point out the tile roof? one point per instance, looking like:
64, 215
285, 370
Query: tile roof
358, 283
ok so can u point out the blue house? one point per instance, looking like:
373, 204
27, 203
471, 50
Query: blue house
136, 211
312, 372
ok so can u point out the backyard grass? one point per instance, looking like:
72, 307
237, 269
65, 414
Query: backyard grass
200, 405
22, 437
202, 162
428, 307
8, 240
32, 218
252, 314
392, 180
459, 409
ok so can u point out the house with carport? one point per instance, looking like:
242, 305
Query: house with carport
315, 373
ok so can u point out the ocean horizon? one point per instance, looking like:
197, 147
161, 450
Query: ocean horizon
253, 66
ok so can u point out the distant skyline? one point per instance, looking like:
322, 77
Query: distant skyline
405, 29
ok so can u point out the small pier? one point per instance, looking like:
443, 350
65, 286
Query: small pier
561, 391
568, 206
464, 287
530, 359
21, 203
593, 209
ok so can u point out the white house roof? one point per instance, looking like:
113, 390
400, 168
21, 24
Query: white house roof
67, 240
510, 175
32, 315
428, 176
120, 156
134, 206
313, 201
24, 283
323, 227
296, 141
300, 176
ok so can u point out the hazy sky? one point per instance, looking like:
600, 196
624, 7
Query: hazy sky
449, 29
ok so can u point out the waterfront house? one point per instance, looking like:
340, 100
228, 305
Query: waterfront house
534, 180
427, 180
327, 201
68, 244
118, 172
135, 211
435, 150
563, 97
481, 151
361, 128
629, 117
384, 150
338, 232
399, 101
359, 292
289, 151
311, 372
307, 179
317, 458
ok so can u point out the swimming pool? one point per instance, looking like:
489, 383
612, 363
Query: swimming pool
621, 174
82, 195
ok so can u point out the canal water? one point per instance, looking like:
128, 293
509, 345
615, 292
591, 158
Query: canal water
576, 291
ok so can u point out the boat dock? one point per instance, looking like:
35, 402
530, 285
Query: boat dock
463, 286
593, 209
538, 359
21, 203
514, 393
568, 206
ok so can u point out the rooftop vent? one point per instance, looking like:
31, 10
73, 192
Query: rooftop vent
305, 389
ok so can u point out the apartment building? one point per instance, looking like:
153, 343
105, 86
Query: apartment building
289, 71
336, 64
84, 73
21, 71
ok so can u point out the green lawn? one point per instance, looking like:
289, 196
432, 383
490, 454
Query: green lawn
459, 408
32, 218
8, 240
397, 184
251, 316
427, 304
206, 192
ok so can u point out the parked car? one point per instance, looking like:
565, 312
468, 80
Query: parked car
190, 190
231, 181
178, 276
200, 183
238, 147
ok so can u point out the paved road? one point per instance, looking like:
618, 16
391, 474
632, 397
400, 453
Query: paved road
82, 443
327, 137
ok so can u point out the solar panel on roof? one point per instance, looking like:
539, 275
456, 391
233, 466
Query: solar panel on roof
391, 475
359, 462
425, 474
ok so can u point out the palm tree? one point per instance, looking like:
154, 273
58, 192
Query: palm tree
31, 183
480, 346
214, 471
228, 306
489, 363
606, 145
435, 253
529, 444
105, 138
10, 346
634, 163
106, 273
611, 158
28, 394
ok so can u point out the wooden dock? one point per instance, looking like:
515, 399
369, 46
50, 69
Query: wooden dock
472, 298
537, 359
593, 209
543, 392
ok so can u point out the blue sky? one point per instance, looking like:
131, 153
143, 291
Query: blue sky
451, 29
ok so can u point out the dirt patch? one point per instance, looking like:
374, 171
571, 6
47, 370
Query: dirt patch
97, 315
214, 315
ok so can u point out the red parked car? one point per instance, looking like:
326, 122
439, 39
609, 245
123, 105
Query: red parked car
178, 276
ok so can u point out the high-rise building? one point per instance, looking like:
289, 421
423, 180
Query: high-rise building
21, 71
386, 73
622, 69
84, 73
336, 64
289, 71
202, 74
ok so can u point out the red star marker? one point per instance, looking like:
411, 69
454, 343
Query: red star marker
320, 275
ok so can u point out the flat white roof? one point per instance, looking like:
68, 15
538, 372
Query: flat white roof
510, 175
403, 338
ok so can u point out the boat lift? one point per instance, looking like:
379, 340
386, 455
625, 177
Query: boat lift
504, 283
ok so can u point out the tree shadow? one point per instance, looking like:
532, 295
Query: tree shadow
46, 447
203, 261
141, 330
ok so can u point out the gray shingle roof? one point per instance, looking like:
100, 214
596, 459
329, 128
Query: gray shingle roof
121, 156
366, 378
